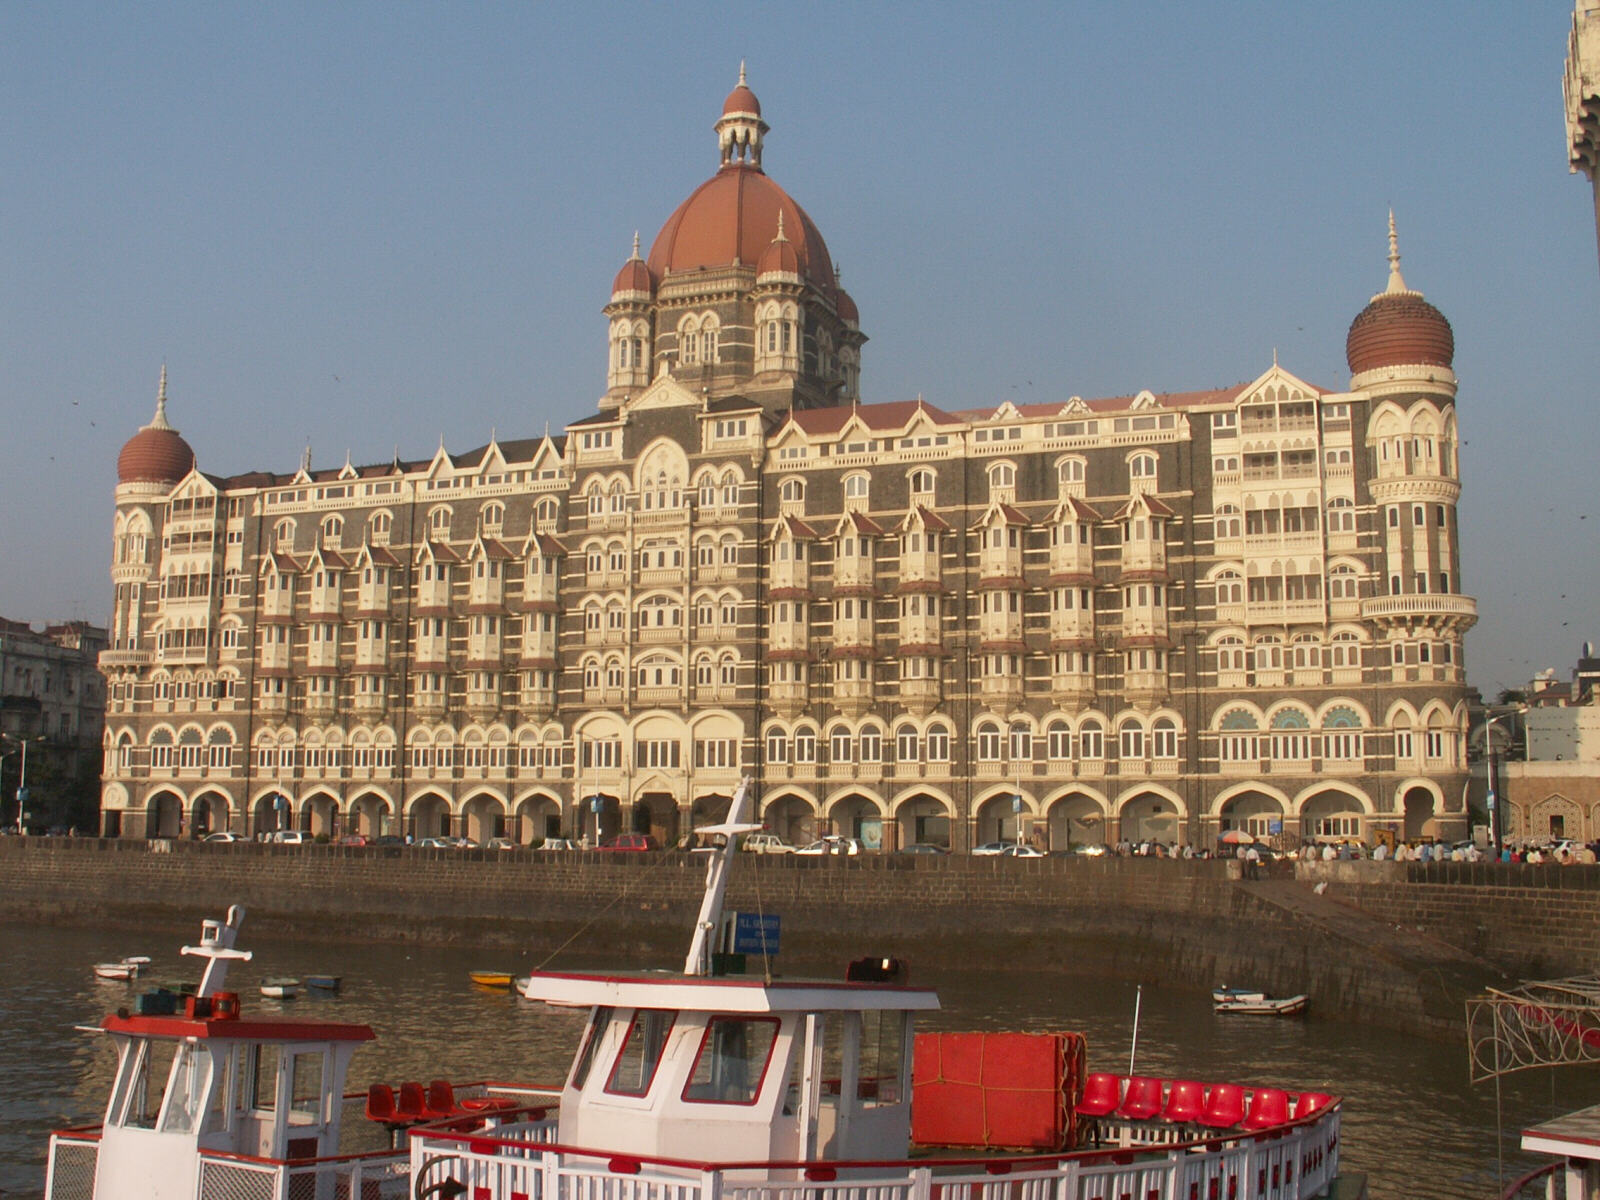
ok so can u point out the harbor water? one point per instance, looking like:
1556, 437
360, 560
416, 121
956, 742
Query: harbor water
1412, 1121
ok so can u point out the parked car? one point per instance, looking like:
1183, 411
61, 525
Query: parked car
223, 837
993, 848
765, 843
389, 839
832, 844
923, 848
446, 843
557, 844
353, 839
291, 837
1023, 851
501, 844
630, 843
1092, 850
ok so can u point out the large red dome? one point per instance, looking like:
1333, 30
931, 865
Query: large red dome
732, 217
154, 456
1399, 329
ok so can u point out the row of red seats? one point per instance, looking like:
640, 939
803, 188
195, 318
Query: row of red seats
437, 1103
1184, 1102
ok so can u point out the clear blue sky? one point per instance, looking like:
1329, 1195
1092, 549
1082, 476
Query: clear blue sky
367, 225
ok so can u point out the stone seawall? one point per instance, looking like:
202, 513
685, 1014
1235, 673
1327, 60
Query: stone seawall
1529, 921
1174, 923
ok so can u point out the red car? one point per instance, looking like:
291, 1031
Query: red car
630, 843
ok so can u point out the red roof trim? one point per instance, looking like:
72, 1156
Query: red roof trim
242, 1029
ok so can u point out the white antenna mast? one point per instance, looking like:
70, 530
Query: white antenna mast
699, 960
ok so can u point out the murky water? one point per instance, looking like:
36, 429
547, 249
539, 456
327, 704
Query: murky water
1412, 1121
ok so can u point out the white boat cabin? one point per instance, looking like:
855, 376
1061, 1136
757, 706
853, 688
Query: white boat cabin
737, 1069
186, 1086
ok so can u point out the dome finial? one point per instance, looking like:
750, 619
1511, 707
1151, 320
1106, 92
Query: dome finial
779, 237
742, 83
159, 421
635, 245
1397, 283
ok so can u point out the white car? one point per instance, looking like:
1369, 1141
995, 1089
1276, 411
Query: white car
765, 843
993, 848
557, 844
223, 837
290, 837
1023, 851
832, 845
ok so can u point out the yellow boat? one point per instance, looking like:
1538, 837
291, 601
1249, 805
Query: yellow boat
490, 979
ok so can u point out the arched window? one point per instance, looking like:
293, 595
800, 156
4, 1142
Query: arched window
1021, 743
332, 527
922, 483
1058, 739
493, 516
793, 491
1142, 466
1091, 739
1230, 587
1164, 738
989, 742
439, 521
1341, 515
856, 487
1130, 736
1227, 521
1071, 471
1002, 475
805, 745
905, 744
939, 743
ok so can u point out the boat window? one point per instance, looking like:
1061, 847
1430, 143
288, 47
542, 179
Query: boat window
263, 1081
882, 1057
732, 1060
187, 1090
636, 1063
598, 1024
306, 1084
146, 1079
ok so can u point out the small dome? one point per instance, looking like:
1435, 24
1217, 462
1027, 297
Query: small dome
635, 274
741, 99
1398, 328
848, 313
779, 258
157, 453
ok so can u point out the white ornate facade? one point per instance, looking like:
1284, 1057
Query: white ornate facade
1145, 616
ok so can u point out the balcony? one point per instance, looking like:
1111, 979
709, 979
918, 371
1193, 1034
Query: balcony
921, 696
125, 658
1436, 605
1001, 693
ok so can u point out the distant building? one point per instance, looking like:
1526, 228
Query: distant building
1555, 793
1142, 616
1582, 89
53, 696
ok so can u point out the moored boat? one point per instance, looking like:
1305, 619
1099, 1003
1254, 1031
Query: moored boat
323, 983
691, 1085
499, 980
1241, 1000
122, 970
280, 987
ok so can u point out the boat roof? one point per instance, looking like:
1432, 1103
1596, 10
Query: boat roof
1574, 1135
724, 994
238, 1029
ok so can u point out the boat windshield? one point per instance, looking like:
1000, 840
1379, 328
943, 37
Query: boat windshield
598, 1024
186, 1094
636, 1063
732, 1060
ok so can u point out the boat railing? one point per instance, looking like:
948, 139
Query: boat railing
1541, 1183
74, 1154
1287, 1162
385, 1175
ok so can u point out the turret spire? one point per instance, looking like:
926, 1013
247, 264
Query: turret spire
1397, 283
159, 421
740, 128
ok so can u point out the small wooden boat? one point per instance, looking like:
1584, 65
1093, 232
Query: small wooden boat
520, 983
323, 983
500, 980
1242, 1000
122, 970
280, 988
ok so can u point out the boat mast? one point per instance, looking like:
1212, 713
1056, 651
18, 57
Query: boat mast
699, 960
216, 947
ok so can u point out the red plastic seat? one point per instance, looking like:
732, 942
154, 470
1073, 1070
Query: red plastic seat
1311, 1102
1268, 1107
1101, 1095
1224, 1106
1143, 1099
1185, 1102
441, 1098
380, 1104
413, 1105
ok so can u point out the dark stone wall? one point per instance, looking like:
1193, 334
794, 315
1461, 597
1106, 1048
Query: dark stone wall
1391, 953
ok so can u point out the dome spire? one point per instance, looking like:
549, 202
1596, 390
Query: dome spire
159, 421
1397, 284
635, 253
740, 128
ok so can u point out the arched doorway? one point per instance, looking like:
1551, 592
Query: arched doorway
599, 817
1255, 813
209, 814
430, 816
1076, 820
163, 816
1150, 817
1418, 804
319, 815
483, 817
271, 813
859, 817
538, 817
997, 820
370, 815
1332, 816
923, 820
710, 809
656, 813
792, 818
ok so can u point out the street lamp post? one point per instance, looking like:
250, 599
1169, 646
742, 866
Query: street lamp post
1496, 828
22, 778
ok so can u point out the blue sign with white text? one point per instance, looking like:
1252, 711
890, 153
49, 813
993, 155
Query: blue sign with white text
755, 933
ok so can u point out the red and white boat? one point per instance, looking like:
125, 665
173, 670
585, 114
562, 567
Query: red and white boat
687, 1086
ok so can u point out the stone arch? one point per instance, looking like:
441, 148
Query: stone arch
538, 817
1151, 813
210, 812
1333, 812
1077, 817
371, 814
320, 814
483, 817
995, 818
1252, 807
428, 815
1419, 802
858, 813
272, 811
922, 816
163, 815
793, 815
